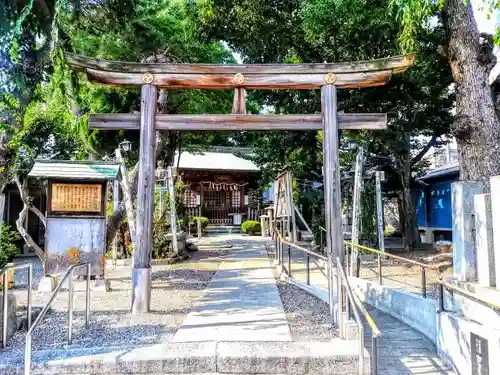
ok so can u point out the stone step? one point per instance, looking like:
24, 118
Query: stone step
213, 230
209, 246
337, 357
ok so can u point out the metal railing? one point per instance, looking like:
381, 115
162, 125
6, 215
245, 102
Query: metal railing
4, 275
444, 285
353, 306
68, 275
381, 254
280, 242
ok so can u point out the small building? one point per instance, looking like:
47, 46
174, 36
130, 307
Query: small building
433, 203
75, 212
221, 186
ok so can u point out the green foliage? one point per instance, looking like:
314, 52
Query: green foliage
250, 227
368, 213
418, 102
317, 225
8, 248
161, 243
193, 223
412, 15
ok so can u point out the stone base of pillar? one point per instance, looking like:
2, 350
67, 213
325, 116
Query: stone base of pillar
47, 284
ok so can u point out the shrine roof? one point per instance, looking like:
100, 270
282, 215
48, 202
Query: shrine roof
217, 161
75, 170
445, 170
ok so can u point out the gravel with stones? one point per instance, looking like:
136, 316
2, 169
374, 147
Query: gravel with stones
175, 289
308, 317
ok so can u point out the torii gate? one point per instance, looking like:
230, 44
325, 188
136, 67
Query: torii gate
327, 77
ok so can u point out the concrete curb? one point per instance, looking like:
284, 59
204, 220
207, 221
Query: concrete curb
337, 357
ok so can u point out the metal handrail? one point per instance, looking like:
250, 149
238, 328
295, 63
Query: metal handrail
357, 307
369, 249
353, 301
298, 247
69, 273
380, 254
5, 296
443, 284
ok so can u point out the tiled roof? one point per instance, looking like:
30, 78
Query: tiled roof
441, 171
218, 161
75, 170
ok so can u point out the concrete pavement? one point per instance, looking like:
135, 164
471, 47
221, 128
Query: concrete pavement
241, 302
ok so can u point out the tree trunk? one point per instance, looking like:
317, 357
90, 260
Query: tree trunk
408, 218
476, 126
28, 206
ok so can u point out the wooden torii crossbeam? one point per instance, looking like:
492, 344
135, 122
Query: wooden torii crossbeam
150, 77
235, 122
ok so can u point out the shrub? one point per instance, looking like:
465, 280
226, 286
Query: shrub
193, 223
8, 248
250, 227
161, 243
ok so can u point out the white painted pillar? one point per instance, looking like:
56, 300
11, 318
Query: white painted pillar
484, 240
464, 247
495, 214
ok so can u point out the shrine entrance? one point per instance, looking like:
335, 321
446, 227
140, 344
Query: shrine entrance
326, 77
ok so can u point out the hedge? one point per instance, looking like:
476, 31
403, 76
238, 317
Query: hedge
250, 227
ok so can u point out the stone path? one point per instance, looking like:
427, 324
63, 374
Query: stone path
241, 302
402, 350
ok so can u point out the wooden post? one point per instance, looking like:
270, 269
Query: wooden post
2, 205
160, 202
129, 208
198, 228
173, 216
116, 203
356, 208
291, 207
333, 208
201, 200
380, 212
141, 272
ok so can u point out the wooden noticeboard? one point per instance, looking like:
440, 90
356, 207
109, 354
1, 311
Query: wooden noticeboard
76, 198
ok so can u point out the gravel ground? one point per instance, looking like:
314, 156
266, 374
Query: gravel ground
175, 290
308, 317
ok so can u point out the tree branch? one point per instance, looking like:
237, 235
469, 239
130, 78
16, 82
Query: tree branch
423, 151
27, 206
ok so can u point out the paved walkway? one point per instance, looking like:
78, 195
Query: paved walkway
402, 350
241, 302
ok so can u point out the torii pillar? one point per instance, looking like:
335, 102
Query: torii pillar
141, 257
